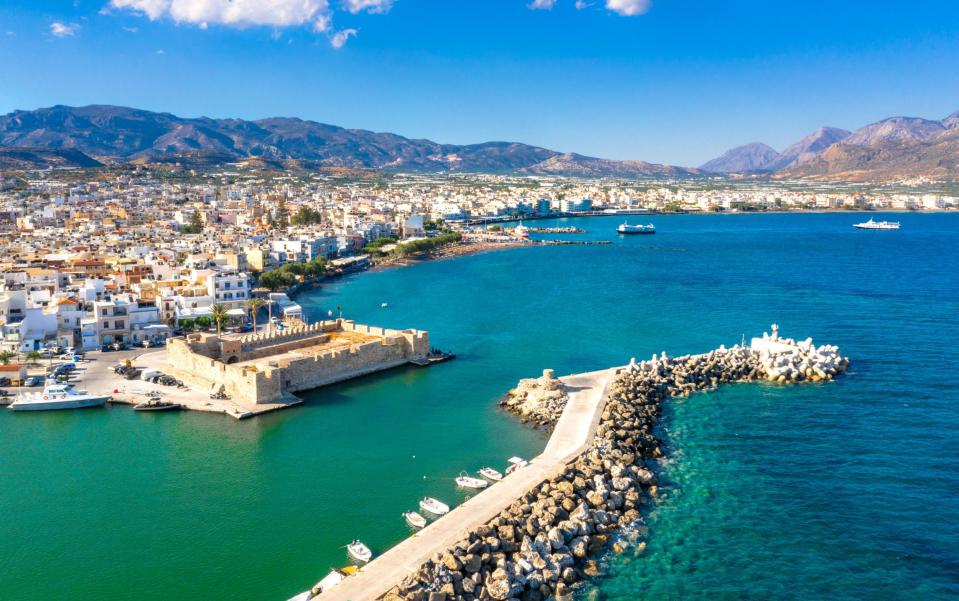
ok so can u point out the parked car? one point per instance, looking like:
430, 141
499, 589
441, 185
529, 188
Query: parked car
33, 381
5, 382
106, 348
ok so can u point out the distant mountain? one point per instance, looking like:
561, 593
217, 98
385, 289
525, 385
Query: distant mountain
41, 158
118, 134
582, 166
743, 159
808, 147
891, 149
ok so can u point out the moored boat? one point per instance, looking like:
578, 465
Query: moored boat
434, 506
414, 519
490, 474
57, 396
466, 481
358, 551
516, 463
329, 581
626, 228
877, 225
157, 405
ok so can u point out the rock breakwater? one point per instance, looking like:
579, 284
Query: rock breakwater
542, 544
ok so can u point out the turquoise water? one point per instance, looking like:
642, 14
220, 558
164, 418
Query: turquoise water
844, 490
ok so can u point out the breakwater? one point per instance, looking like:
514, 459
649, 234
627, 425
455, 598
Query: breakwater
543, 542
555, 230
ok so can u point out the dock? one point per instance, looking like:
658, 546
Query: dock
572, 436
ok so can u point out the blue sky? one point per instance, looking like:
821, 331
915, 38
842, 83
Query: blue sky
674, 81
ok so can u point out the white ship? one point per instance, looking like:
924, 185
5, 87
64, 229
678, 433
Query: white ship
877, 225
626, 228
57, 396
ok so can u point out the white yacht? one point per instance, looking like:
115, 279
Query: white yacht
467, 481
490, 474
877, 225
433, 506
626, 228
57, 396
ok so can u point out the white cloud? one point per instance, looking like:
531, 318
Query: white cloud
371, 6
131, 29
339, 39
161, 51
542, 4
63, 30
235, 13
628, 8
582, 5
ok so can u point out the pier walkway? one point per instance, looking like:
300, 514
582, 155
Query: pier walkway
573, 433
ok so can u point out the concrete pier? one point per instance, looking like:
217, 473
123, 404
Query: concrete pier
572, 436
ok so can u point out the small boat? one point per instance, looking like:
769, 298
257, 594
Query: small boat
329, 581
155, 404
359, 551
466, 481
414, 519
626, 228
433, 506
57, 396
516, 463
490, 474
385, 305
877, 225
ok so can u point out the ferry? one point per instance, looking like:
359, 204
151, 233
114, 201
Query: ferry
521, 231
877, 225
626, 228
57, 396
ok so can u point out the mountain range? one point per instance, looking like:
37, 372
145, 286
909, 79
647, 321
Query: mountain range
894, 148
62, 136
110, 134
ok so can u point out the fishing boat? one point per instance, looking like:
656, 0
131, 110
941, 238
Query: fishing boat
414, 519
57, 396
433, 506
626, 228
877, 225
466, 481
516, 463
490, 474
358, 551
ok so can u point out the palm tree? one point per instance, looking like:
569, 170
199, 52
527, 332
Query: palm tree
254, 305
34, 357
219, 317
6, 356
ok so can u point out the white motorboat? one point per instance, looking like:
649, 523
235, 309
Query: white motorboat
57, 396
359, 551
332, 579
433, 506
877, 225
466, 481
490, 474
516, 463
414, 519
626, 228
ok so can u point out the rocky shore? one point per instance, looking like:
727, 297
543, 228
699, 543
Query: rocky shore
543, 543
537, 401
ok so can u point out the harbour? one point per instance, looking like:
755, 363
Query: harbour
204, 477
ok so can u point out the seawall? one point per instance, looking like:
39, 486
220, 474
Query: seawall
531, 537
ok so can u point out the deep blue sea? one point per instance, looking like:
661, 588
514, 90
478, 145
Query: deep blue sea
845, 490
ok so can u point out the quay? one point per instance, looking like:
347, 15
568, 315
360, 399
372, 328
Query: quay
573, 433
531, 536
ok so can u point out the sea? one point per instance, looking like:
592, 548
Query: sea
842, 490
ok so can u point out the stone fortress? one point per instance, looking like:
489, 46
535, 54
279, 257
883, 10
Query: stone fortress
267, 368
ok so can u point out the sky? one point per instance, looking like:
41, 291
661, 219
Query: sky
670, 81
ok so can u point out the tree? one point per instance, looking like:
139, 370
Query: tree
187, 324
196, 223
203, 322
219, 317
6, 356
306, 216
34, 357
254, 305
